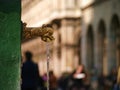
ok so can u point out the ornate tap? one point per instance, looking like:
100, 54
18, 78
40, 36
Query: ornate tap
45, 32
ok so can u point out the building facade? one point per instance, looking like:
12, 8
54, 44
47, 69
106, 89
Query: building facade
86, 32
64, 16
100, 34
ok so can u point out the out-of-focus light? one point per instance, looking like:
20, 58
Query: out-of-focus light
80, 76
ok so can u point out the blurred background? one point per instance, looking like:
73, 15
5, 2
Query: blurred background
87, 32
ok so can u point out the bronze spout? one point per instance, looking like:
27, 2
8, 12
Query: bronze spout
45, 32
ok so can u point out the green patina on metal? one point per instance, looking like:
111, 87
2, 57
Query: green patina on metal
10, 28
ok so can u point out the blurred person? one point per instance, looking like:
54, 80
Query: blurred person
40, 83
62, 81
117, 85
78, 79
29, 74
102, 79
44, 77
94, 80
53, 81
112, 78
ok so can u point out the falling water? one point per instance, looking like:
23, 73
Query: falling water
48, 59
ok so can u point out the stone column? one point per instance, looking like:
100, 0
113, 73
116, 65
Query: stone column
63, 43
84, 46
63, 59
10, 29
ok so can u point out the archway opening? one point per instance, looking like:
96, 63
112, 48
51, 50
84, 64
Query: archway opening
102, 47
115, 36
90, 48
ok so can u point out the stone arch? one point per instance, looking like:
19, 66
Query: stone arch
114, 42
90, 47
102, 47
